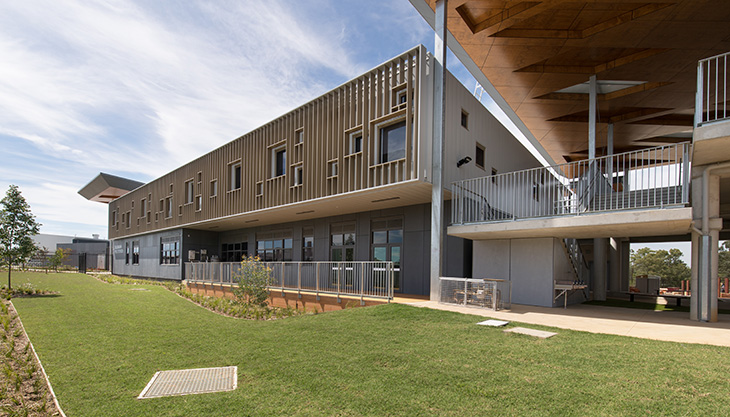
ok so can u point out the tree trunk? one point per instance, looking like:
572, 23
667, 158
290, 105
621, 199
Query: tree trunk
10, 269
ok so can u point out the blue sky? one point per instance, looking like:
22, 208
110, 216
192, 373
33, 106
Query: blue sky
137, 88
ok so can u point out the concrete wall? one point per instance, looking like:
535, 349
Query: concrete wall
532, 266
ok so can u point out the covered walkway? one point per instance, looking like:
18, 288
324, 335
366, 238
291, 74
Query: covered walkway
646, 324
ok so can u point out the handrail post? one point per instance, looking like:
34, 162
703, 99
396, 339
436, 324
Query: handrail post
698, 96
316, 280
362, 284
299, 279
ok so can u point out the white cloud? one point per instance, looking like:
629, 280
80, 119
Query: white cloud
138, 88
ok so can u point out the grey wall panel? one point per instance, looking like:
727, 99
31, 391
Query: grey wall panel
531, 268
149, 257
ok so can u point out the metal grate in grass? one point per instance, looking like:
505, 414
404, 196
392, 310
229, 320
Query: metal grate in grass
191, 381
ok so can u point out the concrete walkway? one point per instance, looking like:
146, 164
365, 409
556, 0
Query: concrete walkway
647, 324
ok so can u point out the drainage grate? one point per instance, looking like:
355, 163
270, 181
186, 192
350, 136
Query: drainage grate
191, 381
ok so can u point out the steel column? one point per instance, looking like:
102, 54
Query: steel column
437, 156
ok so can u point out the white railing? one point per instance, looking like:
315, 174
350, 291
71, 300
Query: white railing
495, 294
711, 98
650, 178
370, 279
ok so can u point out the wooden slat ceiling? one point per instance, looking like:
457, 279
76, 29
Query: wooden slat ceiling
530, 50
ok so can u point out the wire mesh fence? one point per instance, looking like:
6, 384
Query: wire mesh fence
494, 294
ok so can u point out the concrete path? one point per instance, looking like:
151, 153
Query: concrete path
647, 324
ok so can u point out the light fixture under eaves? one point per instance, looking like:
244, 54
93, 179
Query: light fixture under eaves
385, 199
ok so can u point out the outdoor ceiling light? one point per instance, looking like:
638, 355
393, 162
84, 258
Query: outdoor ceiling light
462, 161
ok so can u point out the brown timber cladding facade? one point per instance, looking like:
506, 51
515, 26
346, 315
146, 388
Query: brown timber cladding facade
330, 146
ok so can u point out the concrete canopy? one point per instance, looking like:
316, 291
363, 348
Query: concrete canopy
106, 188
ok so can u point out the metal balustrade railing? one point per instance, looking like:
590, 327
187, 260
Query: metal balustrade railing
649, 178
370, 279
711, 97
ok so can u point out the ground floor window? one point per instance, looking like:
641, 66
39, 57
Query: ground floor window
126, 253
234, 252
342, 249
274, 246
135, 252
169, 251
387, 241
308, 244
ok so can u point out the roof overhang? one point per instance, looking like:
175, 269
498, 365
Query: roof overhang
106, 188
538, 55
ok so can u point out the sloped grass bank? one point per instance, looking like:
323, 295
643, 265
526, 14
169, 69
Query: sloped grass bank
102, 343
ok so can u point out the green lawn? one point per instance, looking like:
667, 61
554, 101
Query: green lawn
101, 343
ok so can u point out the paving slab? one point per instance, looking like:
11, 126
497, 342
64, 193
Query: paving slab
493, 323
669, 326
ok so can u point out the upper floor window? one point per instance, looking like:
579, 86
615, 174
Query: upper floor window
189, 190
464, 119
299, 136
393, 142
278, 161
214, 188
168, 207
479, 155
235, 175
354, 144
298, 175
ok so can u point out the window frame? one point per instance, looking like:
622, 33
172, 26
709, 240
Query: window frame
387, 126
278, 168
189, 191
235, 174
479, 147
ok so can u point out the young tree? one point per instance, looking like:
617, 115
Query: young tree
58, 257
17, 226
666, 264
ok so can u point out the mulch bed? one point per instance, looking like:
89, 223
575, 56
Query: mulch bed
23, 388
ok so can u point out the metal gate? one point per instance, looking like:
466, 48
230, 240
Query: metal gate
82, 263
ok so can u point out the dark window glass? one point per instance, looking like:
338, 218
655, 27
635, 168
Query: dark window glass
280, 162
479, 156
380, 237
464, 119
358, 144
393, 142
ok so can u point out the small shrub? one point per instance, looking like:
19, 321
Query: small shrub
253, 279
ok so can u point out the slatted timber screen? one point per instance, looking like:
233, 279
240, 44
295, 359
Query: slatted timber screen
313, 135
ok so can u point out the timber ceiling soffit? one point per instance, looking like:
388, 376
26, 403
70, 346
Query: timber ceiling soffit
557, 44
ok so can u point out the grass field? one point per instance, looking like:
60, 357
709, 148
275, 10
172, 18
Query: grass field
101, 343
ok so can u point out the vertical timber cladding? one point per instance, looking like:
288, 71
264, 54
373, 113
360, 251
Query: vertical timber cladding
362, 105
